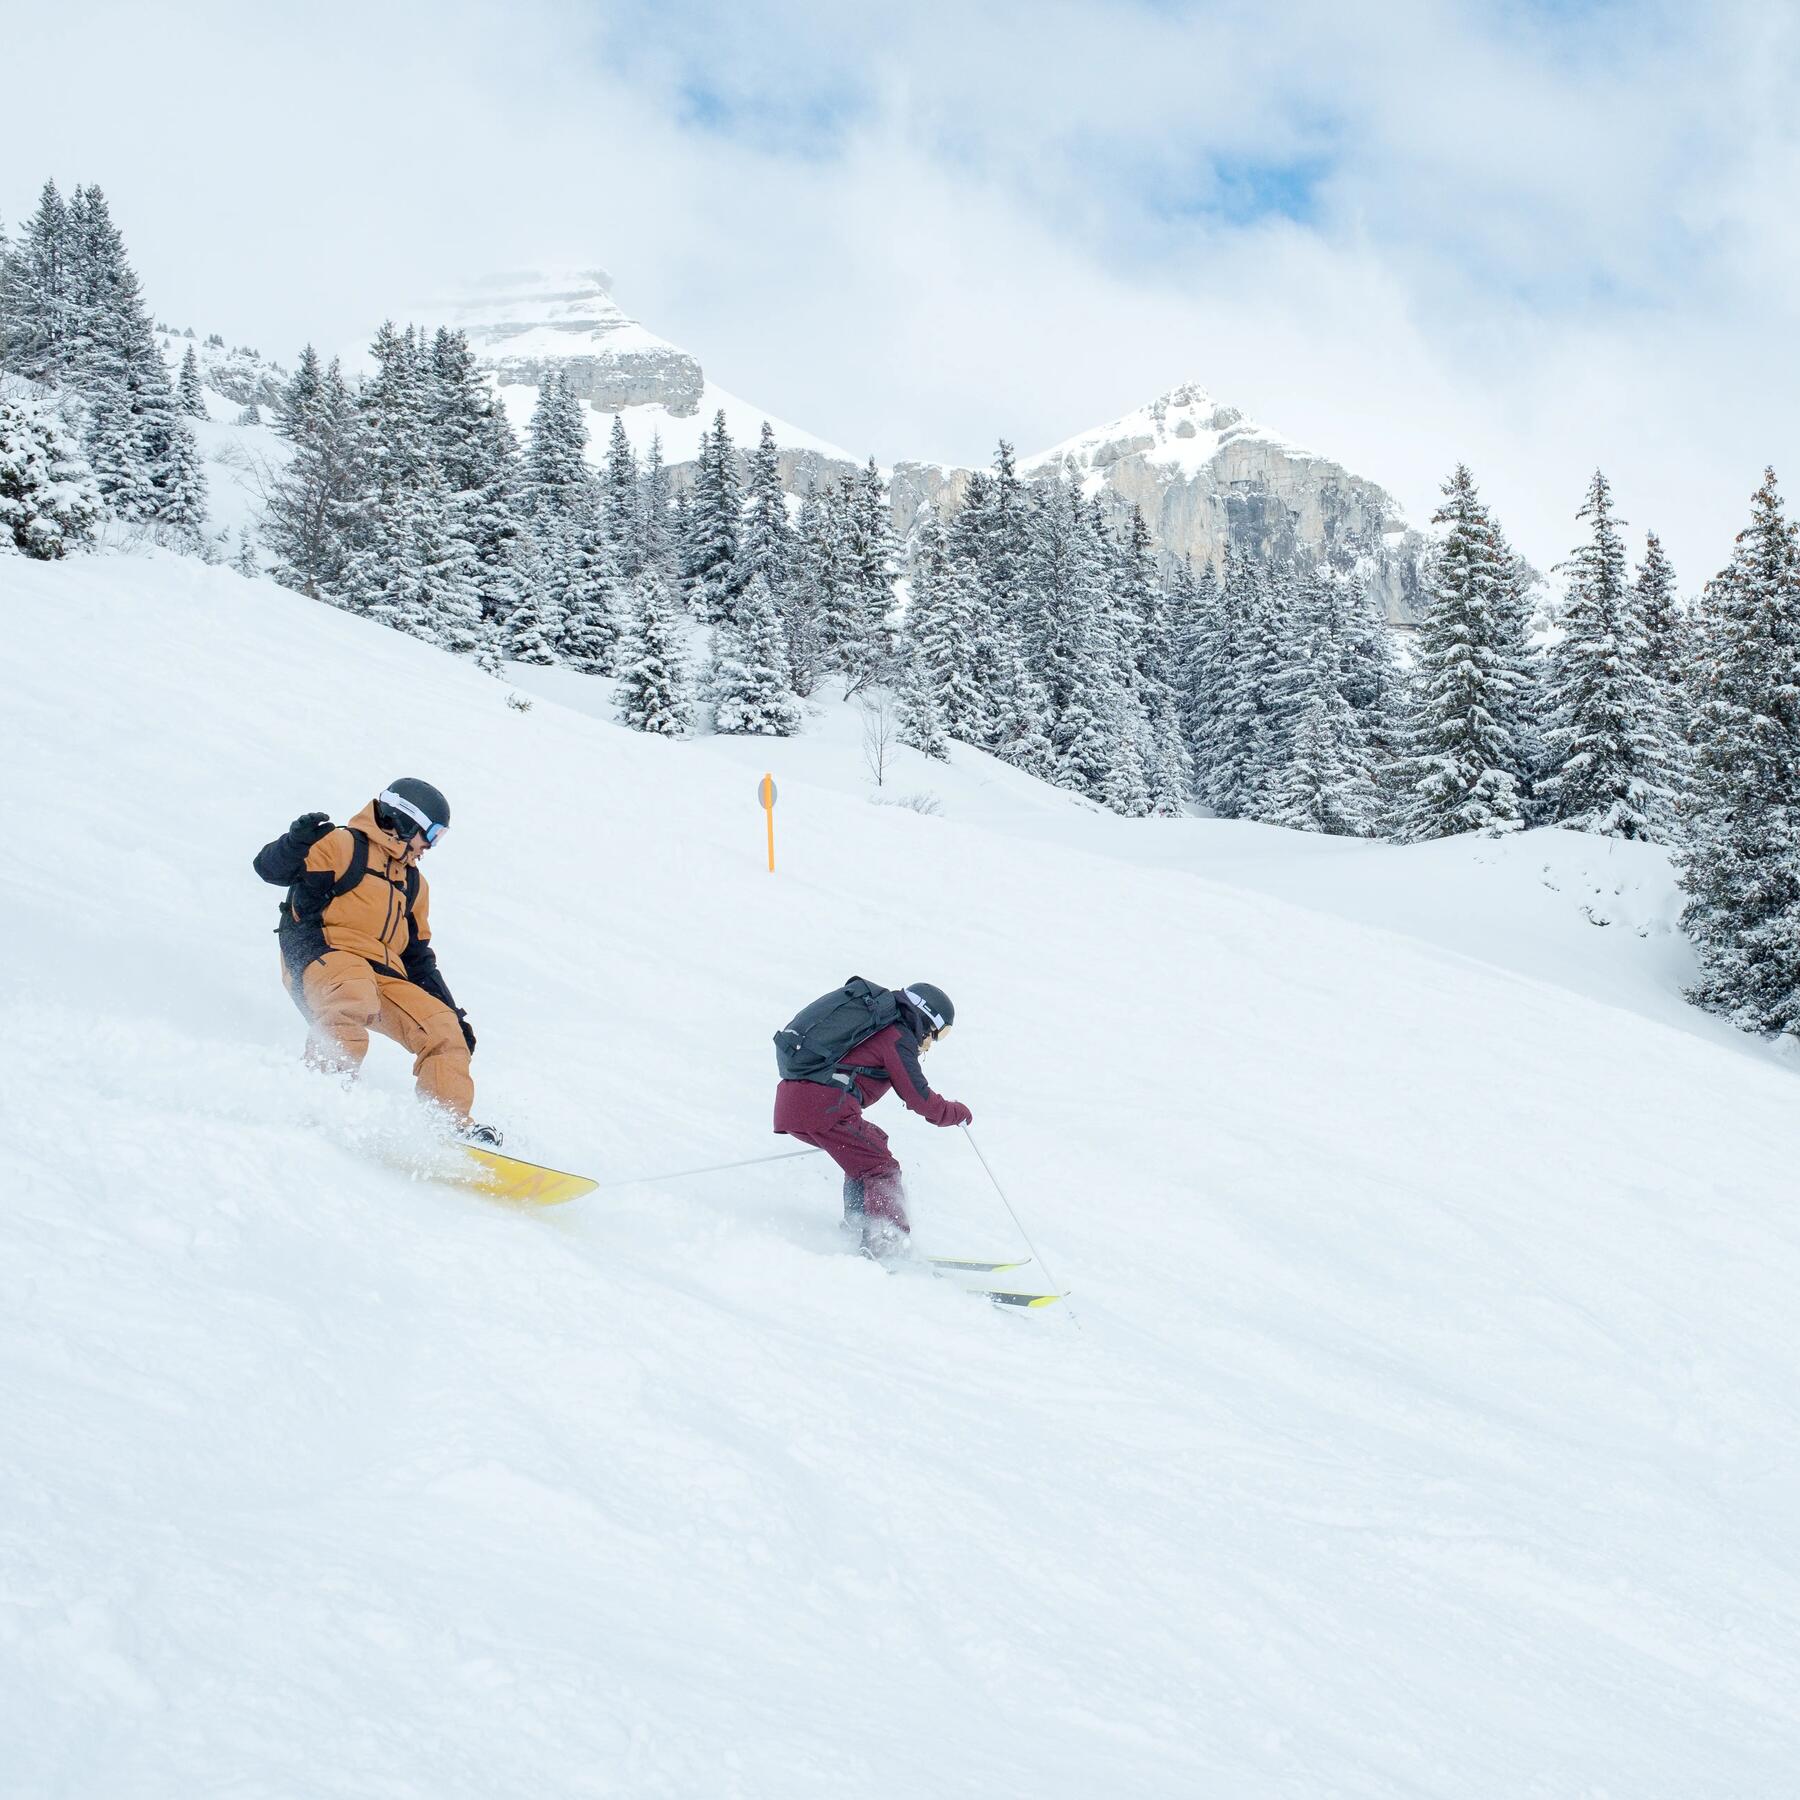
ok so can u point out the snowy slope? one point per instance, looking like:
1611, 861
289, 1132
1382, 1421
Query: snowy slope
1430, 1431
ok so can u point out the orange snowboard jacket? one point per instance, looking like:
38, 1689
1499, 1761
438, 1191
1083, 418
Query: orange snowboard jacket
383, 918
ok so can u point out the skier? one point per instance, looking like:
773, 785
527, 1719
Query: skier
842, 1054
356, 949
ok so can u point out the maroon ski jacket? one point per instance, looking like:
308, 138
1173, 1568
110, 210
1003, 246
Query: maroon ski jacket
890, 1059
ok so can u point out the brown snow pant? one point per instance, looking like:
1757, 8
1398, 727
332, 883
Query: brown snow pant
347, 997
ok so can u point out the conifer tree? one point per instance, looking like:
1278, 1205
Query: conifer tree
533, 624
557, 480
245, 562
865, 596
193, 399
1066, 584
655, 543
749, 681
48, 499
1608, 740
653, 687
1666, 649
36, 302
1740, 865
822, 617
299, 394
940, 637
619, 499
710, 561
181, 498
920, 709
765, 539
314, 500
1324, 782
1462, 746
591, 627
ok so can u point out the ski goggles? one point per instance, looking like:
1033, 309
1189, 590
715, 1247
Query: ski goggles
937, 1024
423, 827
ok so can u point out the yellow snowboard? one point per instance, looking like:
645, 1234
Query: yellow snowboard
506, 1178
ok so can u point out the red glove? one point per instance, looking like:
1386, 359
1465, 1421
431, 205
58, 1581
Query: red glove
955, 1113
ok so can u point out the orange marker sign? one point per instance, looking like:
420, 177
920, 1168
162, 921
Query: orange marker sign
765, 795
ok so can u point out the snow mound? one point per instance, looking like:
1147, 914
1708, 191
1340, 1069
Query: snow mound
1430, 1430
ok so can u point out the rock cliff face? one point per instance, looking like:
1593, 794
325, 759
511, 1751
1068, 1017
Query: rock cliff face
520, 326
1204, 475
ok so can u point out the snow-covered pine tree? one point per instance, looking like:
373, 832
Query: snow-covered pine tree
921, 713
315, 500
765, 538
819, 611
48, 498
245, 562
1240, 750
863, 641
531, 629
749, 681
1529, 721
619, 499
655, 543
1324, 783
1155, 668
710, 556
1019, 707
1607, 743
181, 497
36, 303
298, 395
653, 682
1065, 581
1666, 638
1740, 865
940, 638
192, 395
591, 625
1462, 750
557, 480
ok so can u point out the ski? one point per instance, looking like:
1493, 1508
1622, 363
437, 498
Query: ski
973, 1268
1002, 1298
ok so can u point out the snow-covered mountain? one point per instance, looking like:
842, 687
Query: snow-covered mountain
1202, 473
1429, 1434
523, 325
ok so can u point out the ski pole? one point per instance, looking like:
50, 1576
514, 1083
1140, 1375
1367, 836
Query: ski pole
1018, 1223
710, 1169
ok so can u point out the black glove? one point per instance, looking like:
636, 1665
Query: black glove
468, 1031
308, 829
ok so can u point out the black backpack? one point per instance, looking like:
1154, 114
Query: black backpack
818, 1037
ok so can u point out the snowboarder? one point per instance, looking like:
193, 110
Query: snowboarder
842, 1054
355, 940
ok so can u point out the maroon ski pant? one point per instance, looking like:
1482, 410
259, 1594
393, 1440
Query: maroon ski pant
830, 1119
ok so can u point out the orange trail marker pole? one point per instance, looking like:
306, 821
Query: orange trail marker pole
765, 792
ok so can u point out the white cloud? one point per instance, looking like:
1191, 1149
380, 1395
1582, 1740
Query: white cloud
1539, 238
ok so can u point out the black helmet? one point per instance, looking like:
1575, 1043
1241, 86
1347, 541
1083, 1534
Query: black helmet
409, 806
932, 1003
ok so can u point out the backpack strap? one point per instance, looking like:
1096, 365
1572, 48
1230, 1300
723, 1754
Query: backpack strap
358, 866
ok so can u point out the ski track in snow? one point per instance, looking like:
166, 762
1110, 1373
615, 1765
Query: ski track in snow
1430, 1430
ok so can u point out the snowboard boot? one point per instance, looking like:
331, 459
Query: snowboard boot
885, 1240
487, 1137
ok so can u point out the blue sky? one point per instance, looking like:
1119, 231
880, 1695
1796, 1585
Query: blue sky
1533, 236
